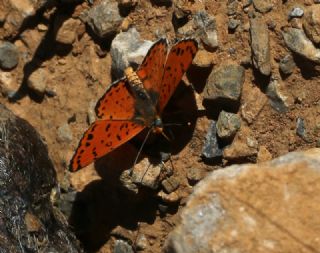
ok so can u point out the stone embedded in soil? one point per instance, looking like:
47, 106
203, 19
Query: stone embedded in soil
260, 45
126, 182
122, 246
311, 24
211, 149
38, 81
287, 64
202, 26
180, 9
263, 6
301, 129
65, 133
227, 125
9, 56
278, 96
15, 14
232, 7
253, 102
168, 198
263, 154
233, 24
296, 12
29, 222
170, 184
241, 204
243, 147
66, 30
147, 174
194, 175
127, 49
104, 18
141, 242
297, 42
224, 83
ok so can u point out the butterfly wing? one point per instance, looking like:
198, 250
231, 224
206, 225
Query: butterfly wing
178, 61
102, 137
151, 69
117, 103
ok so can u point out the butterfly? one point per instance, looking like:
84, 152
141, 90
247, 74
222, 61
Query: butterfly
136, 101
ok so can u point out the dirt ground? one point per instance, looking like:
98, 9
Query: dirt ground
78, 77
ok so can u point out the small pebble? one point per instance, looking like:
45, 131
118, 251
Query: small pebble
121, 246
296, 12
233, 24
194, 175
287, 64
141, 242
65, 133
170, 184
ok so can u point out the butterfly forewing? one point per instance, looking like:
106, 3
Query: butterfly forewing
102, 137
178, 61
117, 103
151, 69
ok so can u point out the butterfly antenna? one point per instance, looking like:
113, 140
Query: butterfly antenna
140, 150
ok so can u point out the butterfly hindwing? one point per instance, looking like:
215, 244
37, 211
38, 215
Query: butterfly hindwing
151, 69
117, 103
102, 137
178, 61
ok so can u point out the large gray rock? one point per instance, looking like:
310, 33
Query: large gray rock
28, 221
267, 207
127, 49
297, 41
224, 84
260, 45
104, 18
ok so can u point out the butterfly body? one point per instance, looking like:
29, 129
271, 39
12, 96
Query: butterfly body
136, 101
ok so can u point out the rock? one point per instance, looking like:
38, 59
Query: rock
227, 125
232, 7
211, 149
233, 24
15, 14
29, 222
260, 46
127, 49
287, 64
317, 1
263, 154
170, 184
141, 242
278, 97
253, 103
251, 208
104, 18
168, 198
296, 12
9, 56
65, 133
147, 174
301, 129
194, 175
66, 30
263, 6
38, 81
243, 147
8, 85
297, 42
202, 26
121, 246
126, 182
181, 10
203, 59
224, 84
311, 24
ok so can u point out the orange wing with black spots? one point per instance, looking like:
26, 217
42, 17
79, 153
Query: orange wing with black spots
178, 61
102, 137
151, 69
117, 102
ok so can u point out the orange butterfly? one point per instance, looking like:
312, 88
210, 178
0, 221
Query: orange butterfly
136, 101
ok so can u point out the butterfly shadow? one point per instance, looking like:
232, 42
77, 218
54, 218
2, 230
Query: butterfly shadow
105, 204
